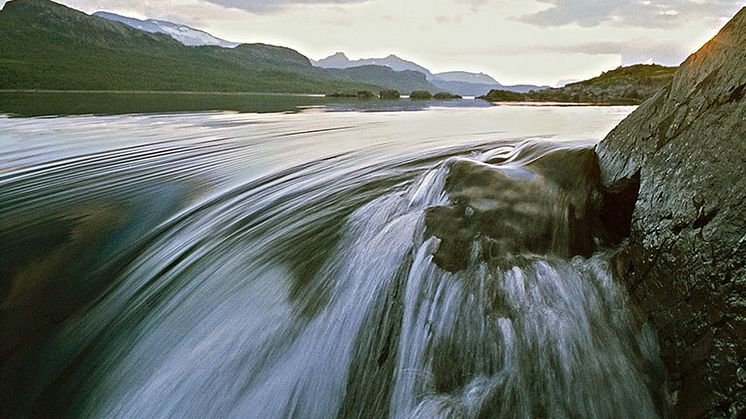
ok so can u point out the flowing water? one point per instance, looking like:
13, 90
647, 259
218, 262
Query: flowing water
313, 265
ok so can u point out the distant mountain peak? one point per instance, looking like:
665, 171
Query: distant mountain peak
186, 35
466, 77
340, 60
460, 82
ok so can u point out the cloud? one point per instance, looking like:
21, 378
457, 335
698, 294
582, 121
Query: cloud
474, 5
631, 52
266, 6
445, 20
641, 13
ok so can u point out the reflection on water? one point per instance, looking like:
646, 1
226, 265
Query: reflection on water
278, 265
29, 103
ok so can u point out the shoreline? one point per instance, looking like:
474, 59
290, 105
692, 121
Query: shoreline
284, 94
155, 92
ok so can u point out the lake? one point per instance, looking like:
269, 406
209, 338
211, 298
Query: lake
316, 260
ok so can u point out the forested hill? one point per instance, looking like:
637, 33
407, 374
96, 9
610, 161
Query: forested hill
47, 46
625, 86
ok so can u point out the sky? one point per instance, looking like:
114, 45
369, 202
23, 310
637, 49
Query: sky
515, 41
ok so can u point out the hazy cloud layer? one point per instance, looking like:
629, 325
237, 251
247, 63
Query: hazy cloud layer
642, 13
264, 6
475, 5
631, 52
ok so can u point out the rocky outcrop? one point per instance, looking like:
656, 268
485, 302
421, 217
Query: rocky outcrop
685, 261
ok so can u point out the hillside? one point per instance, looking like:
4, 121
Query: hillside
625, 86
460, 82
47, 46
404, 81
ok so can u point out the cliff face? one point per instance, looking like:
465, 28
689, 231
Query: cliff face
685, 260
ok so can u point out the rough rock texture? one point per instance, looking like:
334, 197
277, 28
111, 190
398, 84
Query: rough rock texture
553, 205
684, 263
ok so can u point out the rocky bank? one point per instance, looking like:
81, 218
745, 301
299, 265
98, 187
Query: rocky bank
683, 153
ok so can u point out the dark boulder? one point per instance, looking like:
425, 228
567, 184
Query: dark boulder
685, 261
552, 205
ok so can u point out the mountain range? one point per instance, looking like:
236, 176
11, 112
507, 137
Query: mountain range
459, 82
48, 46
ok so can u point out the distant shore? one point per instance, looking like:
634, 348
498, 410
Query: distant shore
540, 104
160, 92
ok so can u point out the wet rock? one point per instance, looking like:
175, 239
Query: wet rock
552, 205
685, 261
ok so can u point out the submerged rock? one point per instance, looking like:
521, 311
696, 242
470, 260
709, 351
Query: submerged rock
685, 262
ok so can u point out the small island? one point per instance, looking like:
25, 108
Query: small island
389, 94
446, 96
420, 95
361, 95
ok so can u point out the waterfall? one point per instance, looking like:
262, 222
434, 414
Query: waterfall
472, 280
378, 328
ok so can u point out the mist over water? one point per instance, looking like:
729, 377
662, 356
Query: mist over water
319, 264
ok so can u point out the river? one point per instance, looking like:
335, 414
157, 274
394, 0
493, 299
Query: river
332, 262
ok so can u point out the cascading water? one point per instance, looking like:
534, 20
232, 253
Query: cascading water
467, 282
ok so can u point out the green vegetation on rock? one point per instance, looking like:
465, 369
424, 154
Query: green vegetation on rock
420, 95
47, 46
364, 95
504, 96
389, 94
623, 86
445, 96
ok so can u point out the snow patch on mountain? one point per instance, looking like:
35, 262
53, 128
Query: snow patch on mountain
182, 33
